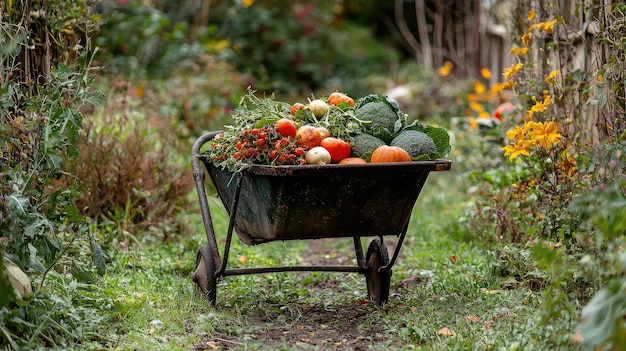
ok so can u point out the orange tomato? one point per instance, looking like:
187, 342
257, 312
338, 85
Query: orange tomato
338, 148
337, 98
295, 107
286, 127
308, 136
352, 161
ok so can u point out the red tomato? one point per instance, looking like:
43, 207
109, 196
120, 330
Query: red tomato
338, 148
286, 127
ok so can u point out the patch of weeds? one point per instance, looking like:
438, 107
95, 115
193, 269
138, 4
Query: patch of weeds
127, 174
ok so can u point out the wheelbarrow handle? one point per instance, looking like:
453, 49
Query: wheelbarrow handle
198, 176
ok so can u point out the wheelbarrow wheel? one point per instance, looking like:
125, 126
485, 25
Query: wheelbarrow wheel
378, 281
204, 276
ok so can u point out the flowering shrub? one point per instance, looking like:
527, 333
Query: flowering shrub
560, 195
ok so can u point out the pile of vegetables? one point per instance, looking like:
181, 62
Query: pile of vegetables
336, 129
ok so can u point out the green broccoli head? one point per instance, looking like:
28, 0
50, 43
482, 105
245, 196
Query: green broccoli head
363, 145
381, 116
416, 143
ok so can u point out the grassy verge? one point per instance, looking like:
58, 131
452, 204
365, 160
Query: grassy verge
443, 294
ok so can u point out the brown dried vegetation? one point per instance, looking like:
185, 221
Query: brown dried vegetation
127, 173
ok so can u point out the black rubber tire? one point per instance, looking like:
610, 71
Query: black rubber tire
377, 282
204, 276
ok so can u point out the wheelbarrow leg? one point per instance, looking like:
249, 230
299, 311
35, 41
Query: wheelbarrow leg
358, 249
231, 226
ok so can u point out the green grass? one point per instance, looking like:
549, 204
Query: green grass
147, 300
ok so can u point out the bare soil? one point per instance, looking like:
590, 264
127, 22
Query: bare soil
345, 323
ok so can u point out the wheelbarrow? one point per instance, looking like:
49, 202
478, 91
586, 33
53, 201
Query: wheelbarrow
269, 203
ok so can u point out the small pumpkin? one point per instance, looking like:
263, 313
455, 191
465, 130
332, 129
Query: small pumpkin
352, 161
386, 153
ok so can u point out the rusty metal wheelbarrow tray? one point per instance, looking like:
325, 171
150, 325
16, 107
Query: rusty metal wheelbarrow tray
327, 201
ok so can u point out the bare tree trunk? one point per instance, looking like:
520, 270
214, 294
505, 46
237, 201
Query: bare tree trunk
406, 31
201, 19
438, 33
422, 29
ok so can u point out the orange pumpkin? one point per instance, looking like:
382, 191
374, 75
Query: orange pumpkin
352, 161
386, 153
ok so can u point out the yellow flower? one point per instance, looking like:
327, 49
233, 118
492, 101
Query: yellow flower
496, 88
531, 15
476, 106
540, 106
444, 70
218, 45
511, 71
550, 77
600, 78
518, 133
484, 115
527, 38
248, 3
486, 73
519, 148
545, 134
473, 123
508, 85
479, 88
519, 51
547, 27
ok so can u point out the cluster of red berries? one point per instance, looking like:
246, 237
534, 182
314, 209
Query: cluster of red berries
264, 146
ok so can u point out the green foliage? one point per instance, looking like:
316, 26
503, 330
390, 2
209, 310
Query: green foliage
293, 48
602, 211
602, 317
140, 41
40, 123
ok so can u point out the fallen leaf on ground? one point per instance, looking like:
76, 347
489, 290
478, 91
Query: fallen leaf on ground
491, 292
445, 331
213, 345
472, 318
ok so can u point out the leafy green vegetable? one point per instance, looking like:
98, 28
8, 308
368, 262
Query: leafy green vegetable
383, 114
364, 144
416, 143
440, 137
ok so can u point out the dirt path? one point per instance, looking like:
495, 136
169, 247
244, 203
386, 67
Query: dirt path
345, 323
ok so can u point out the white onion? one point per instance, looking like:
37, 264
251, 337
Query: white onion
317, 156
